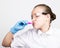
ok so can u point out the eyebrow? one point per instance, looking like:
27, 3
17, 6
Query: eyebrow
44, 13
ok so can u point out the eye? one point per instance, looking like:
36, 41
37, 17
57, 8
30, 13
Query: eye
44, 13
37, 14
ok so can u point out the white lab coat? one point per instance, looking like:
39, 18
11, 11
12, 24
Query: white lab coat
37, 39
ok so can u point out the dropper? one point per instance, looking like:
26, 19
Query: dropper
25, 23
29, 23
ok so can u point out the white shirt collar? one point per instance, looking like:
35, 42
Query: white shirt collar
48, 33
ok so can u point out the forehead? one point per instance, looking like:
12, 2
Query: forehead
38, 9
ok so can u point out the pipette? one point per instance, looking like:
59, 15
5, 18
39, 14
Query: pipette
22, 23
29, 23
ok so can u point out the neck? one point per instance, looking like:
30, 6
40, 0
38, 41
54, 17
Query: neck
45, 27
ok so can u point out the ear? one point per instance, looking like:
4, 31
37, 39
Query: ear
48, 16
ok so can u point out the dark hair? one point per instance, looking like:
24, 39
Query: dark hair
48, 10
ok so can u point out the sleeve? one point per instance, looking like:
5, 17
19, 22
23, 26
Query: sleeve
17, 42
20, 40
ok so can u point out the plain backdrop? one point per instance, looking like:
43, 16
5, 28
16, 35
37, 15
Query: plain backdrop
12, 11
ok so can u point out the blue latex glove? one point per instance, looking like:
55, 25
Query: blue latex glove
18, 26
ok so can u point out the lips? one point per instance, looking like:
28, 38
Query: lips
33, 23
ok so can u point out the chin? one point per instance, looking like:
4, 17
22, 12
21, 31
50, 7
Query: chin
35, 27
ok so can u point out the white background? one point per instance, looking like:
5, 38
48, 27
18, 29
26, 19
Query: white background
12, 11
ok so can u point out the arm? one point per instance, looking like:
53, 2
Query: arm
7, 39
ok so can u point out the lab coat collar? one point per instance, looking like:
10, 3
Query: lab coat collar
48, 33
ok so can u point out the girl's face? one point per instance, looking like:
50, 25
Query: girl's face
39, 17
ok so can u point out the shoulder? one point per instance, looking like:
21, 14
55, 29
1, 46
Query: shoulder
27, 33
56, 32
24, 33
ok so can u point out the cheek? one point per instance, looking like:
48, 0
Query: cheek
41, 20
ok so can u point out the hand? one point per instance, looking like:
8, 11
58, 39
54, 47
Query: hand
18, 26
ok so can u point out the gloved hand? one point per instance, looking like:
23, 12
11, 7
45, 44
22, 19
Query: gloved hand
18, 26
